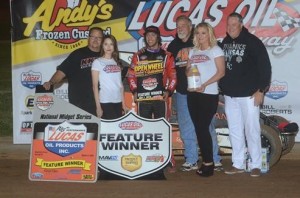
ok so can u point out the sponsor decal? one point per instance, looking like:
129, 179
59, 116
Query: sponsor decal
61, 93
26, 112
108, 157
74, 171
155, 158
65, 139
144, 68
130, 125
37, 175
44, 102
276, 110
31, 79
26, 127
149, 83
199, 58
29, 102
88, 177
67, 21
131, 162
112, 68
274, 22
277, 90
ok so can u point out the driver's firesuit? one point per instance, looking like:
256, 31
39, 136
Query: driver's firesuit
151, 74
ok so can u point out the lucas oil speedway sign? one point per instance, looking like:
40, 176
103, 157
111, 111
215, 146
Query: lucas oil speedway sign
132, 147
64, 144
46, 31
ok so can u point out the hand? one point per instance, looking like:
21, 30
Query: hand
166, 96
124, 109
99, 112
258, 98
135, 97
47, 85
201, 88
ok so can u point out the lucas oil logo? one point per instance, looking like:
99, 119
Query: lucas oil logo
273, 21
277, 90
65, 139
31, 79
65, 21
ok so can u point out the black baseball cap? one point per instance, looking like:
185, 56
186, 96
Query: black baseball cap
152, 28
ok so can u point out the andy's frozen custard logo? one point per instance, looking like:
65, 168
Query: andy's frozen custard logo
65, 21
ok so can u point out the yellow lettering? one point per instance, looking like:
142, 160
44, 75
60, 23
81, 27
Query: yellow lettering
84, 15
106, 10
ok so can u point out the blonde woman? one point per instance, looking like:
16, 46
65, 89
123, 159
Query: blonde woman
208, 57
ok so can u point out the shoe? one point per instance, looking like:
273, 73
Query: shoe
218, 166
255, 172
188, 166
234, 170
206, 170
171, 169
185, 164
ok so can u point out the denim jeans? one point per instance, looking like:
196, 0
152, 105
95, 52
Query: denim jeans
187, 130
212, 130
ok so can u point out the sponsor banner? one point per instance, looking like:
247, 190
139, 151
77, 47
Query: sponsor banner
132, 146
64, 141
45, 32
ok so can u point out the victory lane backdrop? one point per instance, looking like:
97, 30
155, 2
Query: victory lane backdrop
46, 31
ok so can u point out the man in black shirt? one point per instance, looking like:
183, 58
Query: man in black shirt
77, 69
247, 78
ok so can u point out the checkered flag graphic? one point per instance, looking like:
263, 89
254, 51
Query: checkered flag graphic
286, 22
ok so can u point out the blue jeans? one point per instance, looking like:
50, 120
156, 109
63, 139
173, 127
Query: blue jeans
212, 130
187, 130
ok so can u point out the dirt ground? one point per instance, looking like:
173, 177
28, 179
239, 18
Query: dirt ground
283, 180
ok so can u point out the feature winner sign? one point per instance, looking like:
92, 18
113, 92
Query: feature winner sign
133, 147
65, 139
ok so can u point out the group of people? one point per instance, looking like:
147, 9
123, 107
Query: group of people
239, 67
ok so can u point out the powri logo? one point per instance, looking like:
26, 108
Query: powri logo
130, 125
44, 102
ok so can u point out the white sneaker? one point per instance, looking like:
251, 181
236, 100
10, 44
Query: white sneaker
218, 166
188, 166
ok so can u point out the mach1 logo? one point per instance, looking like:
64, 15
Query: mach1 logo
272, 21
